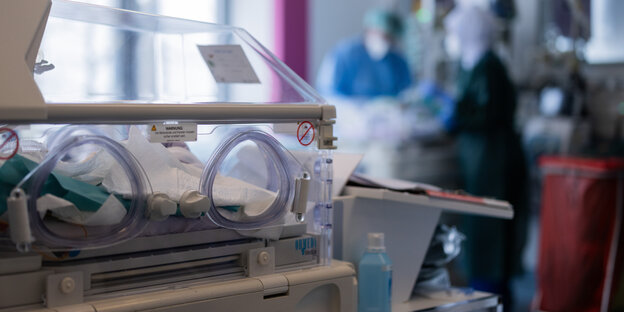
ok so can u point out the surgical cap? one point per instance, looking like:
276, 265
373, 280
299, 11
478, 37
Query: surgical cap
384, 20
472, 25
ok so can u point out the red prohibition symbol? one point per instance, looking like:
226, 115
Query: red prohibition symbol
5, 140
303, 133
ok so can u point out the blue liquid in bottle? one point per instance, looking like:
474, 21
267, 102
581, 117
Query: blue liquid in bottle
375, 277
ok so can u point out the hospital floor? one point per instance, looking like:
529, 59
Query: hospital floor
524, 287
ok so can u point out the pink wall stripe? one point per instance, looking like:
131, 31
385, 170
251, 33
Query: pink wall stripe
291, 34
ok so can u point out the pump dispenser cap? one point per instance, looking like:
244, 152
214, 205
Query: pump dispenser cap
376, 242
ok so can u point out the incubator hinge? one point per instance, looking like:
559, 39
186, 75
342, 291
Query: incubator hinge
260, 261
274, 285
326, 128
193, 204
64, 289
160, 206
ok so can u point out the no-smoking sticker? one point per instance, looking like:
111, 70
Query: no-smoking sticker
305, 133
9, 143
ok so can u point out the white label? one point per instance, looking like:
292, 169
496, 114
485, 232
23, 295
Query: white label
163, 133
228, 64
287, 128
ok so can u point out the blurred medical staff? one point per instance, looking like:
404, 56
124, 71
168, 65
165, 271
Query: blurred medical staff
367, 66
490, 152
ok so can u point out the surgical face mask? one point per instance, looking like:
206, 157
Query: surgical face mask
452, 47
376, 45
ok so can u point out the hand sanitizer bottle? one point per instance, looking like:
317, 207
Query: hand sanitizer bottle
375, 277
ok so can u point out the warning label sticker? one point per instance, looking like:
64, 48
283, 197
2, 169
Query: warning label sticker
164, 133
9, 143
305, 133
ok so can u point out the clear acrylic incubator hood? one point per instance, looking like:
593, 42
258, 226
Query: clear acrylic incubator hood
117, 125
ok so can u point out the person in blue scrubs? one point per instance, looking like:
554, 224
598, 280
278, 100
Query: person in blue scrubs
368, 65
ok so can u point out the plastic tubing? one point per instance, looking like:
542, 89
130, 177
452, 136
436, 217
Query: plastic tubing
61, 134
130, 226
277, 157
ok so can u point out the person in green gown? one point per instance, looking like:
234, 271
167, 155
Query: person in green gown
490, 151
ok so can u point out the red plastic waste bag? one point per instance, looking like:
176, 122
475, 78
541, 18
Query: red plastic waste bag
581, 221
